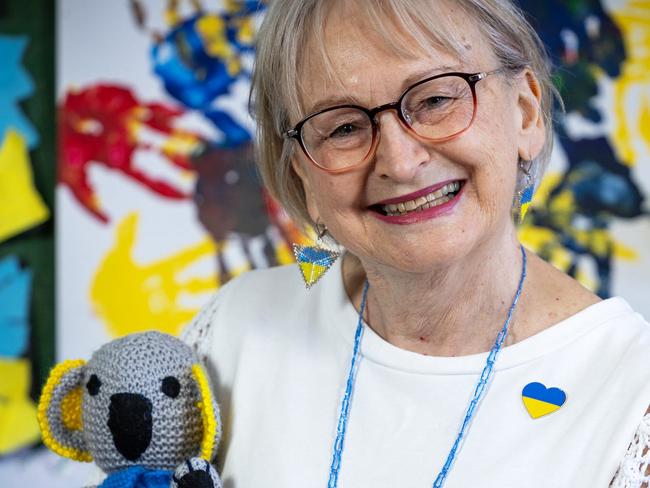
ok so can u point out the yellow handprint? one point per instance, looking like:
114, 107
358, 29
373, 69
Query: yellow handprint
133, 297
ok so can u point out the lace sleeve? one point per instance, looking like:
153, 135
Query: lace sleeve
634, 470
198, 333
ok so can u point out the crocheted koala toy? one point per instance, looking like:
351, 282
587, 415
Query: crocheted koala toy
140, 408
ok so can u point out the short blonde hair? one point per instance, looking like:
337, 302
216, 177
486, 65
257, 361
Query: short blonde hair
290, 26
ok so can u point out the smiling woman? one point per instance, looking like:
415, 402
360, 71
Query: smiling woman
438, 351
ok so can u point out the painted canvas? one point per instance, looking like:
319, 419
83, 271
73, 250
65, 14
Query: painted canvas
158, 203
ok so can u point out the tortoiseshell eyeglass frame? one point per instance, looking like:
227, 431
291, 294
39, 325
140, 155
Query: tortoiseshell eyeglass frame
470, 78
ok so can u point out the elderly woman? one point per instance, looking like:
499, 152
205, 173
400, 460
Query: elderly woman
437, 350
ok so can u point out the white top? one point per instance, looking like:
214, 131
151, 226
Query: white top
279, 355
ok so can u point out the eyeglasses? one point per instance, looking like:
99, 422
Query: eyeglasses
435, 109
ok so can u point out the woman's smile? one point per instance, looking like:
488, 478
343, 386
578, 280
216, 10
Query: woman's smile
425, 204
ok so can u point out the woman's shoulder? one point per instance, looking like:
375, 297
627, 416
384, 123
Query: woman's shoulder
550, 298
610, 344
619, 322
274, 280
257, 299
563, 312
256, 289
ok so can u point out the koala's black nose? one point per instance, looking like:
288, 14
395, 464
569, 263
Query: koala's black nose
130, 423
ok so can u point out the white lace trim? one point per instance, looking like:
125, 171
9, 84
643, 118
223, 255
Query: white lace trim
634, 470
197, 334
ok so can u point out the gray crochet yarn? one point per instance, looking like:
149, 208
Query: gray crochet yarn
196, 473
142, 400
139, 405
74, 439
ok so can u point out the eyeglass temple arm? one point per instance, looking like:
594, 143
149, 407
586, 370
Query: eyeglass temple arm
484, 74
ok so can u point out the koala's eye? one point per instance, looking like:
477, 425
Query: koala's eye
93, 385
171, 387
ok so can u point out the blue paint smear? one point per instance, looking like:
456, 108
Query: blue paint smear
15, 291
198, 79
15, 85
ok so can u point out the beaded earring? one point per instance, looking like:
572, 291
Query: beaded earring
314, 261
525, 195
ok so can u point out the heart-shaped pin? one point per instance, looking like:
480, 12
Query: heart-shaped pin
540, 401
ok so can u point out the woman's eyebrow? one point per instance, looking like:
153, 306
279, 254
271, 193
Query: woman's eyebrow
332, 102
408, 81
426, 73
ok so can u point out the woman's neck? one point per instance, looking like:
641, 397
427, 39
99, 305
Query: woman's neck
452, 310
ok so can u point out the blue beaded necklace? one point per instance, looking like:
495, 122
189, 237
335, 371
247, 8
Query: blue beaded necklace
472, 407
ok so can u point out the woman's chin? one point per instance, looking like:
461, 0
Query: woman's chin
427, 256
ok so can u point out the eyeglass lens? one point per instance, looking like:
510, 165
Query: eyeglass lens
343, 136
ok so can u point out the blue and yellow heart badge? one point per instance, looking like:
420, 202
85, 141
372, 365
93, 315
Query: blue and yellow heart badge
540, 401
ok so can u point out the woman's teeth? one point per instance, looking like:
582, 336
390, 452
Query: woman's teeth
433, 199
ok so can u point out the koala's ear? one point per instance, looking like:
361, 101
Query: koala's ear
209, 414
59, 411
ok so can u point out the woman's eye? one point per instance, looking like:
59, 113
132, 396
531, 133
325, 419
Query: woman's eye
171, 387
93, 385
434, 102
343, 131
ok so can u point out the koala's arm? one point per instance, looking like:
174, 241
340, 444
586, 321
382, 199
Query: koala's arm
196, 473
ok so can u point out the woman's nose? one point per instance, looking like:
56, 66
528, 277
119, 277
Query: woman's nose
399, 153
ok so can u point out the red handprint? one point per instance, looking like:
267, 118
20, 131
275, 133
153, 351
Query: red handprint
104, 124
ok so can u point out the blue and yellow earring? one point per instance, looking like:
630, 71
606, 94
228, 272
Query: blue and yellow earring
525, 195
314, 261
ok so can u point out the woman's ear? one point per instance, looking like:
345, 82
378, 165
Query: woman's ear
532, 128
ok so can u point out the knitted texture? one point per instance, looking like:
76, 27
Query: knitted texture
634, 470
63, 381
138, 477
71, 409
140, 404
199, 333
196, 473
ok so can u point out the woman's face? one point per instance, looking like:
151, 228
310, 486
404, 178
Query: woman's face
482, 161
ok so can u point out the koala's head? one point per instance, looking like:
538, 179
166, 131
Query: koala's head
141, 400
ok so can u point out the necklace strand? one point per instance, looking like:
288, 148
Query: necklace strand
472, 407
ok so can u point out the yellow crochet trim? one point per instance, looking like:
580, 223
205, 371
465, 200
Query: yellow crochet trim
46, 398
71, 413
207, 413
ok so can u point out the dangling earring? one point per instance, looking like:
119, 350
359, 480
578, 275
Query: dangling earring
314, 261
525, 195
